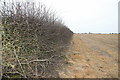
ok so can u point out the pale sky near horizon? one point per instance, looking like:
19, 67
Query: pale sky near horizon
96, 16
99, 16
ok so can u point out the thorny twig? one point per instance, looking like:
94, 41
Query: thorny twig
19, 63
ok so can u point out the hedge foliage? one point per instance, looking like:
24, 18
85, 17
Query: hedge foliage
33, 39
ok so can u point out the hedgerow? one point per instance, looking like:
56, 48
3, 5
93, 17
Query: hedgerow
33, 40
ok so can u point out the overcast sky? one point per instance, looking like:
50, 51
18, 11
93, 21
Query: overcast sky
100, 16
87, 15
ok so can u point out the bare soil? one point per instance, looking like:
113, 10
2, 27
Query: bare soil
92, 56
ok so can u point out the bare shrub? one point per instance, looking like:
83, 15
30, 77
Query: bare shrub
33, 39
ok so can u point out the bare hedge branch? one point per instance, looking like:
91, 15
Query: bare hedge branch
32, 34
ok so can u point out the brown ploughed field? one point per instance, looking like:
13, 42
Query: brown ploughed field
92, 56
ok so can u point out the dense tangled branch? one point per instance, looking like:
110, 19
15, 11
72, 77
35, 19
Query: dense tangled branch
33, 39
